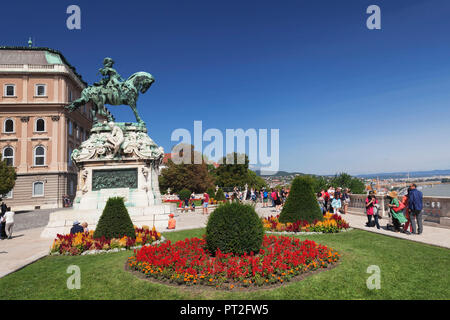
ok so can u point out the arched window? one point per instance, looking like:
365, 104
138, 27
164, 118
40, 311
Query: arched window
38, 189
8, 156
39, 156
40, 125
8, 126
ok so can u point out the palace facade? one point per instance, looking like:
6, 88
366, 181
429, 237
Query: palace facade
37, 135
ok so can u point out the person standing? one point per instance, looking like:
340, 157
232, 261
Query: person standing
205, 203
407, 215
265, 198
345, 200
372, 210
2, 223
415, 204
9, 222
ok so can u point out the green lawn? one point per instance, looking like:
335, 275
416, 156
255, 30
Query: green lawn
409, 270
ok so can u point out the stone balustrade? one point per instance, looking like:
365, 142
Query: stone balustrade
436, 210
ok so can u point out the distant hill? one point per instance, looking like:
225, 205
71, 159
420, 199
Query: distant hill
412, 174
278, 173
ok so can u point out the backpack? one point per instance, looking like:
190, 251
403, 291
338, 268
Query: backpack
265, 194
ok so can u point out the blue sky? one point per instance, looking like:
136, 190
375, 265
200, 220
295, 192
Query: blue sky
344, 98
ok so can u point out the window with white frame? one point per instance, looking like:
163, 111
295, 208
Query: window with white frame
8, 156
38, 189
10, 90
39, 156
41, 90
8, 126
40, 125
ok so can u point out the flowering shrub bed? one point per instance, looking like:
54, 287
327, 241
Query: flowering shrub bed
76, 244
197, 202
331, 223
188, 262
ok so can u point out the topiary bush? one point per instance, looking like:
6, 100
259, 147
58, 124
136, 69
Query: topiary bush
220, 196
301, 203
211, 192
115, 221
234, 227
184, 194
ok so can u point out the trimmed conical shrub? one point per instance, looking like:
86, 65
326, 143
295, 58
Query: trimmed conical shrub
219, 195
301, 203
114, 221
234, 227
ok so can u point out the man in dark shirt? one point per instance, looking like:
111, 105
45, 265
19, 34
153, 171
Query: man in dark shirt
76, 228
415, 206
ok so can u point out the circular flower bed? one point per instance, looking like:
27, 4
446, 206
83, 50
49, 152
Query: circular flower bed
188, 262
76, 244
331, 223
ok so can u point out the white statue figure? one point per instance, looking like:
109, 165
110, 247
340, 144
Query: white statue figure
84, 176
115, 139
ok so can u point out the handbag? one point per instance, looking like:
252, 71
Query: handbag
400, 207
375, 210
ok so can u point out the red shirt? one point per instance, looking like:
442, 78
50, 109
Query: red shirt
206, 196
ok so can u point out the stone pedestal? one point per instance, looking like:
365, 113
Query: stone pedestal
118, 160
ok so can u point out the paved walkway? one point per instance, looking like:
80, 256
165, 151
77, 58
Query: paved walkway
24, 248
27, 246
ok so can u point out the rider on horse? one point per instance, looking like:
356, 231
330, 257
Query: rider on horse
111, 77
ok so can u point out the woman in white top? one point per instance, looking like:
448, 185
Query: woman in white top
9, 220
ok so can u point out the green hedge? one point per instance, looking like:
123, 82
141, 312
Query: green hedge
219, 195
115, 221
301, 203
234, 227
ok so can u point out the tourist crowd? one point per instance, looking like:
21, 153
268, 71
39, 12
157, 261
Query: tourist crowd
404, 212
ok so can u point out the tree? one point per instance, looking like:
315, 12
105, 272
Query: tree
344, 180
7, 177
233, 171
115, 221
301, 203
186, 174
255, 181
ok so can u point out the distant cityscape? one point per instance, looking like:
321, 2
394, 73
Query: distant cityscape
431, 183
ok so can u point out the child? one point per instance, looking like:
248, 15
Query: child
336, 204
172, 222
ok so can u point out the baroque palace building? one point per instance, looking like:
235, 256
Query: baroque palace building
37, 135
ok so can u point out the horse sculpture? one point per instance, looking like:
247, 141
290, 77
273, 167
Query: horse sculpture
123, 93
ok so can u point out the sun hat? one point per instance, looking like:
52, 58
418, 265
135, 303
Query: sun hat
171, 215
76, 222
393, 194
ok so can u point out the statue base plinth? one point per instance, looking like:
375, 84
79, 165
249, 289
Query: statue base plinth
118, 160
